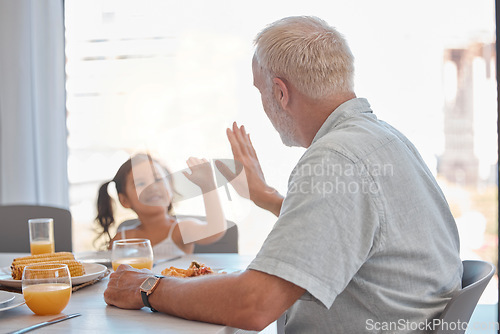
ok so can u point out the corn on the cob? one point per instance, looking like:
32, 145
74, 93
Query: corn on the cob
76, 268
39, 258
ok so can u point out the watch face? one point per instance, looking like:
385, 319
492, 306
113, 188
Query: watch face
148, 283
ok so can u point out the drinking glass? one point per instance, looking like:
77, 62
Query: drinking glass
46, 287
137, 253
41, 235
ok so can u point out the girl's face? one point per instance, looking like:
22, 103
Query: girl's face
147, 187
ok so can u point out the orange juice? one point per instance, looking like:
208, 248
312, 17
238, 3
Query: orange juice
41, 247
47, 298
136, 262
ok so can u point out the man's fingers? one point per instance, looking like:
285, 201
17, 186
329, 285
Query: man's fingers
235, 145
235, 127
246, 141
251, 149
240, 136
123, 267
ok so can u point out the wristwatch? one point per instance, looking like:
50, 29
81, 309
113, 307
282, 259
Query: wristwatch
147, 288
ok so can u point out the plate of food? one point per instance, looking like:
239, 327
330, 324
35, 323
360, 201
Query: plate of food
80, 272
226, 270
92, 272
196, 269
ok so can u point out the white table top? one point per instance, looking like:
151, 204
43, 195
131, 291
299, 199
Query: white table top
98, 317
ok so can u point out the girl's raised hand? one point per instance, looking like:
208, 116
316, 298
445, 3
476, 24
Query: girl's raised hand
201, 174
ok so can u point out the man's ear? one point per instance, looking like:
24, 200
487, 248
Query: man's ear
124, 201
281, 92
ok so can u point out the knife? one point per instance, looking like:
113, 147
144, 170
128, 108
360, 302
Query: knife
46, 323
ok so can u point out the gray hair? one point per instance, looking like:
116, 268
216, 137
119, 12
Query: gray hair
310, 54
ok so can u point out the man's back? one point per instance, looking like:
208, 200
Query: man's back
372, 238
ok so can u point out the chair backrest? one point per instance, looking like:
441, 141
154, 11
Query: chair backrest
475, 277
129, 223
14, 226
227, 244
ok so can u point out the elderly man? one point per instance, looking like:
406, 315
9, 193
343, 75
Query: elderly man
364, 238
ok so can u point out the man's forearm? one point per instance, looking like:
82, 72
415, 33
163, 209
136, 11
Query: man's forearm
220, 299
250, 300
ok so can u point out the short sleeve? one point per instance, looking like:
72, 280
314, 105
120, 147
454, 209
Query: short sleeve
327, 228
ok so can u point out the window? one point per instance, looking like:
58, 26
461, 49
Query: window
171, 76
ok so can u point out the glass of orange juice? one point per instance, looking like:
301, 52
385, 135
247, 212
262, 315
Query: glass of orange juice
41, 235
46, 287
137, 253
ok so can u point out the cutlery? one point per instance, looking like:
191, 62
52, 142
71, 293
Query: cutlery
166, 260
46, 323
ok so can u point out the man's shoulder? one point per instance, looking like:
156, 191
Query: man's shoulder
357, 137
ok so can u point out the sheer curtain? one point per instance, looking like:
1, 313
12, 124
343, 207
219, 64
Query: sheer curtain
33, 148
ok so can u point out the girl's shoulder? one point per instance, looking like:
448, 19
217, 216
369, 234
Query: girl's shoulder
128, 233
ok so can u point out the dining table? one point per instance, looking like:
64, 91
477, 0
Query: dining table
98, 317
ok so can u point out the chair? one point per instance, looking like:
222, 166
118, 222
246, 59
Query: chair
475, 277
128, 224
15, 233
227, 244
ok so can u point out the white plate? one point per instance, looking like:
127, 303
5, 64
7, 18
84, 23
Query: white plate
226, 270
17, 301
6, 297
92, 270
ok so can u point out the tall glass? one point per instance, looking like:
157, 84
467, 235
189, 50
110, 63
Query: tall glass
41, 235
137, 253
46, 287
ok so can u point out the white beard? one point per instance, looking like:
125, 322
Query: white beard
282, 122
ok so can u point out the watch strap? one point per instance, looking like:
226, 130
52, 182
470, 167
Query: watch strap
145, 300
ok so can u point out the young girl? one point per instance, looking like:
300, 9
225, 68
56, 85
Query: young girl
142, 185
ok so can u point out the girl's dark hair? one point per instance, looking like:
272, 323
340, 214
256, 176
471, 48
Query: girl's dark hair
105, 217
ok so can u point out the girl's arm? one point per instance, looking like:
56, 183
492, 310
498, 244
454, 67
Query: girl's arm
216, 225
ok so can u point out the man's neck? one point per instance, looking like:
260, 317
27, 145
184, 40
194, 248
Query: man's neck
315, 112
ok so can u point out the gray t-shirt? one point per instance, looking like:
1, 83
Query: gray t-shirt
365, 230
